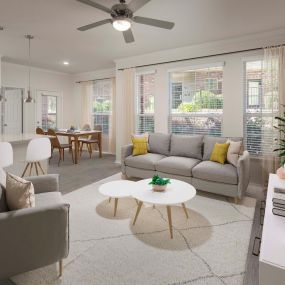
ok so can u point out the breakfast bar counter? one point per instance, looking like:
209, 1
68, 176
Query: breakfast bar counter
19, 143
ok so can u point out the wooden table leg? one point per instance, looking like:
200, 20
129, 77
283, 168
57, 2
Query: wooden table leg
138, 211
169, 220
76, 149
116, 206
100, 144
185, 210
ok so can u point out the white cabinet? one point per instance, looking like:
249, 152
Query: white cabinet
272, 250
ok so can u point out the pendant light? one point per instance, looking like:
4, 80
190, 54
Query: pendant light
29, 98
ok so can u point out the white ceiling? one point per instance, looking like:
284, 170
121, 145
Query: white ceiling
54, 23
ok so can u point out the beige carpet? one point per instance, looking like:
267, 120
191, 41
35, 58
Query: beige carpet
208, 248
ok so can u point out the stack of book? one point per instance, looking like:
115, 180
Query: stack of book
278, 202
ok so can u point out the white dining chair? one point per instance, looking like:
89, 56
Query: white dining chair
38, 150
6, 159
6, 154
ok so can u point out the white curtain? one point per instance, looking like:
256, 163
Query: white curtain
128, 106
86, 97
112, 130
273, 96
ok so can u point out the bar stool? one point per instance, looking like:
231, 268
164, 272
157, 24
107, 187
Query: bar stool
37, 151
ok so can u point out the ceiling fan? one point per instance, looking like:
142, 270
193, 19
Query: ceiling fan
122, 17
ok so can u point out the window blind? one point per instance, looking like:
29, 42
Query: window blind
260, 108
145, 83
196, 101
101, 104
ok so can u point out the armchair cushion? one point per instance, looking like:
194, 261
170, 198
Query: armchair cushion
45, 183
49, 198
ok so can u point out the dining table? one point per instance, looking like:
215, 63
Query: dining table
73, 136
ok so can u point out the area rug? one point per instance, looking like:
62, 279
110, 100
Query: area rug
208, 248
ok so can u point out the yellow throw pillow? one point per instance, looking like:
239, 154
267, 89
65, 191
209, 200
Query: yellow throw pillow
140, 145
219, 153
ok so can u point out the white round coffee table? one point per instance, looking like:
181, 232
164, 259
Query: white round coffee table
117, 189
178, 192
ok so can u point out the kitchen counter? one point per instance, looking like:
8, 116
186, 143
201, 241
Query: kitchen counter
20, 138
19, 143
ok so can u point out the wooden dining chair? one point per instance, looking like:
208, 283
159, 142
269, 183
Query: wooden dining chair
40, 131
55, 144
89, 142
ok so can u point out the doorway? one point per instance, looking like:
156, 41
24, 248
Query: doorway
12, 111
48, 109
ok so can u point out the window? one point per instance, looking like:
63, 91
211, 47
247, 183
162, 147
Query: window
261, 106
49, 112
101, 104
196, 101
145, 102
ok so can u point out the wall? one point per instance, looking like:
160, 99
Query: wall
14, 75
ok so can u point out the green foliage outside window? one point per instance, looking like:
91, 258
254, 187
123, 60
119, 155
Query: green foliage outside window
202, 100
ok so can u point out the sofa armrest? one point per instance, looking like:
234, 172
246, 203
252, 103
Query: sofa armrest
126, 151
243, 169
33, 237
45, 183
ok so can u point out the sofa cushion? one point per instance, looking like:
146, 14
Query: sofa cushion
3, 204
209, 143
187, 146
48, 198
145, 161
177, 165
213, 171
159, 143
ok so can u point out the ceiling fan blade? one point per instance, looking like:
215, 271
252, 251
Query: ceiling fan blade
154, 22
96, 5
137, 4
128, 36
93, 25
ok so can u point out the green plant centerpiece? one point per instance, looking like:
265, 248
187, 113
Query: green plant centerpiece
159, 184
281, 141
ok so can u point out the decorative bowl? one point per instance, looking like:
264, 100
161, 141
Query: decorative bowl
159, 188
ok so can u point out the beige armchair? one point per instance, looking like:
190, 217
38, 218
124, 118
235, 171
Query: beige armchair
34, 237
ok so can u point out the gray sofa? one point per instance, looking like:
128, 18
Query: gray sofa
187, 157
34, 237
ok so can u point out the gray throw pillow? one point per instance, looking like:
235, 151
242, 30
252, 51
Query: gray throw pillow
159, 143
187, 146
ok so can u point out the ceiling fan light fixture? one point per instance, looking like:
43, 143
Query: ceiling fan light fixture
122, 25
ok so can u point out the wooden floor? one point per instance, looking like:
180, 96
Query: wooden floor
251, 275
74, 176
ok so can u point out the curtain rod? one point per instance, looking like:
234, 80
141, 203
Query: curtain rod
95, 79
198, 57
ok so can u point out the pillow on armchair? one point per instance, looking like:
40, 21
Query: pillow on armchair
19, 192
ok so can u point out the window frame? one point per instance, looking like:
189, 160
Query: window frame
102, 114
194, 114
138, 115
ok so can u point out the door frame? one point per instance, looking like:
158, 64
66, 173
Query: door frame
3, 107
59, 111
